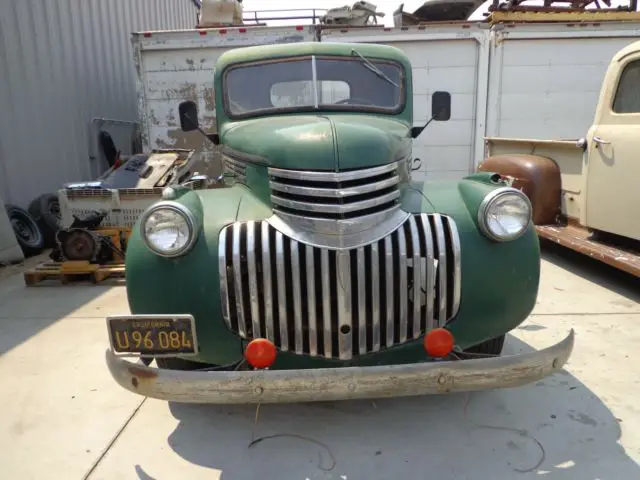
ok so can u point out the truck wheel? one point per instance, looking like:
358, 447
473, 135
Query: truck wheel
172, 363
490, 347
26, 230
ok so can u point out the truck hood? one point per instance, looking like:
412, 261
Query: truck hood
315, 142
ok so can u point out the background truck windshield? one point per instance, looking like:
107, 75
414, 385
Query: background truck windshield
342, 83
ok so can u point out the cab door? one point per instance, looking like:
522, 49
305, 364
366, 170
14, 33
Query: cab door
613, 171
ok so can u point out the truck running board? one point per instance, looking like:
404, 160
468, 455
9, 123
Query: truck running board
579, 239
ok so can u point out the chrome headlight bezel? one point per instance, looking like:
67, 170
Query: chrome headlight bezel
489, 200
181, 210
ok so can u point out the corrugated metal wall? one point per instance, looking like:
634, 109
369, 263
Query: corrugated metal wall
63, 63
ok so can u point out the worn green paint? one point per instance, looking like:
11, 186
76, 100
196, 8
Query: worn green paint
499, 280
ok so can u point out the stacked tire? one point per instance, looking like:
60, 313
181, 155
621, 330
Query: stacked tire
35, 228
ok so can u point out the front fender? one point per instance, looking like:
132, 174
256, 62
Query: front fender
499, 280
165, 285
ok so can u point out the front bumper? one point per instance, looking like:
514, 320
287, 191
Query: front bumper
325, 384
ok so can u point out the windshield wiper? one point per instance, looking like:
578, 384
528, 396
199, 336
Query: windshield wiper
374, 69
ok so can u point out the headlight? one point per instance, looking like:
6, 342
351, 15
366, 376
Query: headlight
504, 214
168, 228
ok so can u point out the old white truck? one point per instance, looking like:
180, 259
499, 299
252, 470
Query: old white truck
585, 192
507, 78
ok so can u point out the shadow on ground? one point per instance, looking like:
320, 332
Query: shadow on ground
556, 428
26, 311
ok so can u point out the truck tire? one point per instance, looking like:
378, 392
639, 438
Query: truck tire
26, 230
490, 347
45, 210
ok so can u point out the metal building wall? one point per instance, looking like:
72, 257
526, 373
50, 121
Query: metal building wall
63, 63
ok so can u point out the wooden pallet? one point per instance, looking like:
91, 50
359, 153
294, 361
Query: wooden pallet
66, 272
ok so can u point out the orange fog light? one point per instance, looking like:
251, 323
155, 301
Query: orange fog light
438, 342
260, 353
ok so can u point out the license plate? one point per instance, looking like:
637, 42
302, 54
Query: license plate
153, 335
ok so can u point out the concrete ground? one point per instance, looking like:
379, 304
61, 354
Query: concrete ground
64, 417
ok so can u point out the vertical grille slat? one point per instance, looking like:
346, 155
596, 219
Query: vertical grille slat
345, 325
340, 303
282, 293
402, 273
416, 249
237, 276
362, 303
311, 301
267, 282
297, 297
326, 302
253, 280
375, 296
442, 268
389, 281
430, 274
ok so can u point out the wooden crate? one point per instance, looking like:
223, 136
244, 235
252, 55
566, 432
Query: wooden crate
67, 272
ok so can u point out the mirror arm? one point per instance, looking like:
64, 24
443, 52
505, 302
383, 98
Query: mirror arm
416, 131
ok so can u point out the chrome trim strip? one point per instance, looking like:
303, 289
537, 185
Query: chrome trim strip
311, 301
238, 278
282, 292
253, 283
333, 207
328, 176
341, 192
342, 234
297, 297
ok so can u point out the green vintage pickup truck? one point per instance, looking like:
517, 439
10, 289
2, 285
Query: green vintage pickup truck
317, 269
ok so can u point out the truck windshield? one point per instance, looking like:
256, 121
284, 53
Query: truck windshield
314, 83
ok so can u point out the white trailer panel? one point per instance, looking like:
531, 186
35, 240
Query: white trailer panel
173, 66
452, 58
545, 79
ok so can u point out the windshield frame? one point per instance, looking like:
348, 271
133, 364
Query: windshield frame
315, 108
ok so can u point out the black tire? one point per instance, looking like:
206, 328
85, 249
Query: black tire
173, 363
27, 231
45, 210
490, 347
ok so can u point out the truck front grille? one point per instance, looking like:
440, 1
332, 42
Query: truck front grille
340, 303
335, 195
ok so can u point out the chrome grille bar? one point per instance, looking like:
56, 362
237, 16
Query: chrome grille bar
344, 303
335, 195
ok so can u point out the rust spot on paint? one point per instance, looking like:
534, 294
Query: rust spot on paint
171, 119
191, 63
141, 372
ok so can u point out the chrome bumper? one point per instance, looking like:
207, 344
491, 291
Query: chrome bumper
323, 384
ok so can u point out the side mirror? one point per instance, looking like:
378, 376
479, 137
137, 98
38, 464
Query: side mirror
188, 112
441, 106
